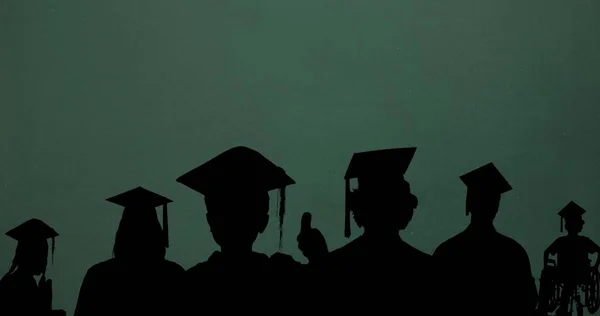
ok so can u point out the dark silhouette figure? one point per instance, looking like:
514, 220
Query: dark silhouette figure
138, 280
481, 271
19, 292
562, 279
236, 186
378, 270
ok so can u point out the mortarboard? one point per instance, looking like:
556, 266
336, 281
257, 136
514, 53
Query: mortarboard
571, 210
375, 168
33, 229
239, 169
140, 197
486, 179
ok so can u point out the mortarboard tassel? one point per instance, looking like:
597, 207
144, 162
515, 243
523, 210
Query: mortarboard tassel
281, 214
347, 231
561, 225
166, 225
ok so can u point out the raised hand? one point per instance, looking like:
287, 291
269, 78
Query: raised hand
310, 240
45, 287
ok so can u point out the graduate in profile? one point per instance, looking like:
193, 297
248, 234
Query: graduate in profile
20, 292
138, 280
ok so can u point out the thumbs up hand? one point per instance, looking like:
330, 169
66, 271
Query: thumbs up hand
310, 240
306, 222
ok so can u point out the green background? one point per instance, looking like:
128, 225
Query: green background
98, 97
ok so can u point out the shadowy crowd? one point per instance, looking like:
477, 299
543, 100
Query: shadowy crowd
480, 271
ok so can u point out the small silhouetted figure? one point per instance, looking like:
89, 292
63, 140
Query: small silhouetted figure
20, 294
236, 186
138, 280
483, 272
379, 271
573, 267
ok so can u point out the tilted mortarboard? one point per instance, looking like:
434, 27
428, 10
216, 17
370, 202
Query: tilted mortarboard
33, 230
375, 169
239, 169
486, 179
571, 210
141, 198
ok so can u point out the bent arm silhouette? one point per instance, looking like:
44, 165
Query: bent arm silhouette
551, 250
594, 249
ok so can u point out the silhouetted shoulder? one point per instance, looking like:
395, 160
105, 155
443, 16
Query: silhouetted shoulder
103, 266
10, 284
560, 239
341, 255
588, 244
199, 268
112, 265
345, 250
513, 246
280, 260
351, 248
418, 255
173, 266
449, 246
97, 273
217, 262
556, 244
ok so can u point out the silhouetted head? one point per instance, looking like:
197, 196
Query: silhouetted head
485, 186
31, 256
383, 202
482, 205
236, 187
572, 215
236, 220
383, 206
140, 236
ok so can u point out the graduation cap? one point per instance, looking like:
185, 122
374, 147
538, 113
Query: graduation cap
375, 169
570, 211
33, 230
140, 197
486, 179
238, 170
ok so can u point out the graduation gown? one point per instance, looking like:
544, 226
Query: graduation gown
485, 273
572, 253
373, 276
21, 296
121, 288
252, 283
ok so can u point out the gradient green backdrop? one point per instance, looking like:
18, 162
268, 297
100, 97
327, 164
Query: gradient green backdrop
98, 97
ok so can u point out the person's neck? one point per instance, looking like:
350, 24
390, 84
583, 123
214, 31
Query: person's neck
381, 234
482, 226
236, 251
22, 271
572, 234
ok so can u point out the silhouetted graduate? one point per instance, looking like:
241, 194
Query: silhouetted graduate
482, 271
236, 186
138, 280
378, 271
573, 267
20, 294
